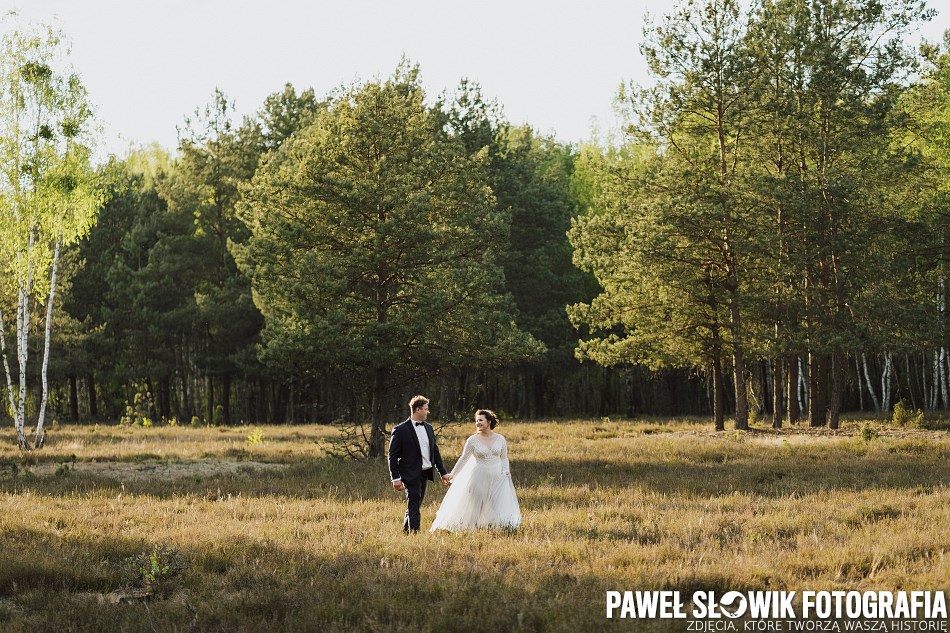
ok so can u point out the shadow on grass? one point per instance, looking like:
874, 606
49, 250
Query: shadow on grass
247, 585
766, 473
718, 471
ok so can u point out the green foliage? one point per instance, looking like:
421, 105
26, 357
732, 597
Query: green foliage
216, 158
869, 432
255, 437
150, 570
134, 286
904, 416
756, 192
373, 248
48, 193
138, 412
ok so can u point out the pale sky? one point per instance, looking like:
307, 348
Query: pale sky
553, 64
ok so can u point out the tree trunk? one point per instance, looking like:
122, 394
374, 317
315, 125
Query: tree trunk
803, 387
93, 401
837, 385
738, 356
209, 382
226, 399
857, 368
377, 440
73, 399
22, 336
6, 366
935, 391
867, 379
817, 404
719, 393
794, 410
44, 398
910, 382
188, 409
886, 384
778, 413
943, 376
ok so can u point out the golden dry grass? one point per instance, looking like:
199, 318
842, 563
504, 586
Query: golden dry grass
279, 536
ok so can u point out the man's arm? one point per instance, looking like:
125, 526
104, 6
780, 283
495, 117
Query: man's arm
395, 450
438, 458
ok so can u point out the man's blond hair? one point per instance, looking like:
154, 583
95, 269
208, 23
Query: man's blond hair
417, 402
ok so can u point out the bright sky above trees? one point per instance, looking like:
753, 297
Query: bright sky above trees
553, 64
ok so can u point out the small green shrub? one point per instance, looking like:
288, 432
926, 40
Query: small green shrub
905, 416
869, 433
149, 570
255, 437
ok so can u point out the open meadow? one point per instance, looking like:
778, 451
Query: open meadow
115, 528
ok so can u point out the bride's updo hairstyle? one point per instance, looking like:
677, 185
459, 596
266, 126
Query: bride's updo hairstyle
490, 416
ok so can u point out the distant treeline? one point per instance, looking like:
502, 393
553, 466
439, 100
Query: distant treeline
769, 235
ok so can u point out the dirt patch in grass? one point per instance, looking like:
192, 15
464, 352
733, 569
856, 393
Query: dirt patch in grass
150, 470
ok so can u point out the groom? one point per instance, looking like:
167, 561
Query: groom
412, 456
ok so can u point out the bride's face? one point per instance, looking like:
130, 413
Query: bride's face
481, 424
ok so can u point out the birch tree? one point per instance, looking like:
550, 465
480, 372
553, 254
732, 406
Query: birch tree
47, 194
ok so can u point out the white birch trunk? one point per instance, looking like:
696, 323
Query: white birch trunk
867, 380
41, 417
6, 369
886, 382
910, 382
939, 375
935, 380
802, 388
857, 367
943, 376
22, 340
923, 381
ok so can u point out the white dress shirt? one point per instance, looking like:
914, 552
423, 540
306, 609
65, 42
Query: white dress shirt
423, 443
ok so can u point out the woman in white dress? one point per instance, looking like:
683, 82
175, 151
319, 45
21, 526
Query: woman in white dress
481, 494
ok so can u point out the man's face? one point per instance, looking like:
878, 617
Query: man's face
422, 412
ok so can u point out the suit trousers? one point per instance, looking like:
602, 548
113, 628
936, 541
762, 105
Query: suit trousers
415, 492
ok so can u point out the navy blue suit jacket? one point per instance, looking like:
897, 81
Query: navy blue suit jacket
405, 455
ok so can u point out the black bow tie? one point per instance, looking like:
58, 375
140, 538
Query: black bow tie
420, 423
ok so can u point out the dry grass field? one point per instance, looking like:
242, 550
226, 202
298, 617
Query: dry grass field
242, 529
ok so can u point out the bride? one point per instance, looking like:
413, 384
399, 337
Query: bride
481, 494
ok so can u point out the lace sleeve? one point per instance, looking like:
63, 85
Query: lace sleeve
467, 451
505, 466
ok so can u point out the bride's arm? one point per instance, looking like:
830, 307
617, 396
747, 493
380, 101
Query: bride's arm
466, 453
505, 466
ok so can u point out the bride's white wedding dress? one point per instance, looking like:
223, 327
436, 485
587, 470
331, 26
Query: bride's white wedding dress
481, 494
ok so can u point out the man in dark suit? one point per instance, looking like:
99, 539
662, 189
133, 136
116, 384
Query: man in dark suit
413, 458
